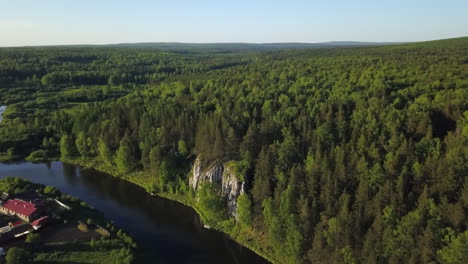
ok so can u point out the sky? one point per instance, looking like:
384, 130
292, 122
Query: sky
59, 22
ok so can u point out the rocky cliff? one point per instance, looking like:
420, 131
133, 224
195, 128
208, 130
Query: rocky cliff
221, 175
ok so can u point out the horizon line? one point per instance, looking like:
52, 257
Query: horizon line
227, 42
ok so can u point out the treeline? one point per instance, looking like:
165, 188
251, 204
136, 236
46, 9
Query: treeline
58, 66
350, 155
34, 82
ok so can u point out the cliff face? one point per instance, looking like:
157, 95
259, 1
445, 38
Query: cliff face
221, 175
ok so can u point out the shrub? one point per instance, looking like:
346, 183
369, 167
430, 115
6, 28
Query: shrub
83, 227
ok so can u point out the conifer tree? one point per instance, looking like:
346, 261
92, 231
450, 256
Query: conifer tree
67, 148
125, 158
244, 210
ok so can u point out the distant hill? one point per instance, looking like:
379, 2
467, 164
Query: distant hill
231, 47
193, 48
189, 48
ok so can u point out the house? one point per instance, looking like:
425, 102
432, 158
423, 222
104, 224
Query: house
24, 210
40, 222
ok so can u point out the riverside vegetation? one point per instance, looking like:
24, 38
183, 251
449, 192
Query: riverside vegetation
111, 246
345, 155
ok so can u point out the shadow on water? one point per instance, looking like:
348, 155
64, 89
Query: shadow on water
70, 173
171, 230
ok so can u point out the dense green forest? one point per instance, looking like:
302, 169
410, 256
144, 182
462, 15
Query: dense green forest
349, 154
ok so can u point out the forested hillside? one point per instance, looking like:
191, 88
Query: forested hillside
349, 155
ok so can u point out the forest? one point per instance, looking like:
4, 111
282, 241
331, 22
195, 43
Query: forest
349, 154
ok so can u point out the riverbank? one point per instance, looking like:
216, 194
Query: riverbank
255, 241
74, 233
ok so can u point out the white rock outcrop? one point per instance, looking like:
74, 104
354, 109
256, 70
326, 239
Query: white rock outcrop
221, 175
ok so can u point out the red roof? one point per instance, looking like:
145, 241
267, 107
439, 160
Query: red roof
17, 223
40, 221
20, 207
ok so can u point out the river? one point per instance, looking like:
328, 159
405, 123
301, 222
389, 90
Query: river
171, 230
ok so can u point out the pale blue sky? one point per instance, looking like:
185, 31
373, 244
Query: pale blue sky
44, 22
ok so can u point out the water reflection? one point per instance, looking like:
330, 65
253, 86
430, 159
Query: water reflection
70, 174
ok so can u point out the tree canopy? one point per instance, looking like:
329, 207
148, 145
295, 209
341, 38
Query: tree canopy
350, 155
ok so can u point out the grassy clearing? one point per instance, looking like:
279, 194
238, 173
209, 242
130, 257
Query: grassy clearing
143, 179
78, 253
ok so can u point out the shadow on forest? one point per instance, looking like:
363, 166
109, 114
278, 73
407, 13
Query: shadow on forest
441, 124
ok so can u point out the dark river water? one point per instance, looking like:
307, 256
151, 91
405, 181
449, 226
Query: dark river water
170, 230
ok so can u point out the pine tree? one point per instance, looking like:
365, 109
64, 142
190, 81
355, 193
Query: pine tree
163, 175
261, 185
82, 144
294, 241
244, 210
105, 153
67, 147
273, 226
155, 158
125, 158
